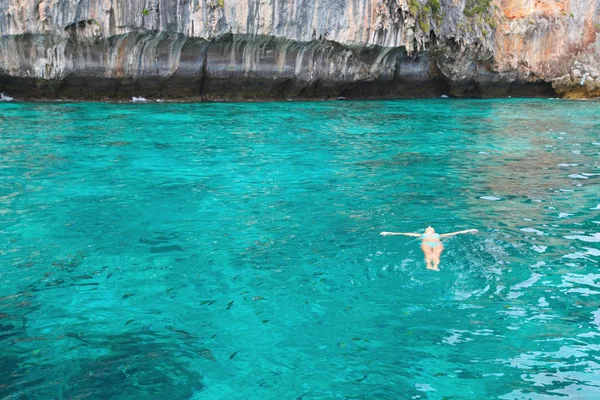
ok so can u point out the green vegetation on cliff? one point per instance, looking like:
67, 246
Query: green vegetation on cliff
474, 7
423, 12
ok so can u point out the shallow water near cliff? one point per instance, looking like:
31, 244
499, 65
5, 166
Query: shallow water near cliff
224, 250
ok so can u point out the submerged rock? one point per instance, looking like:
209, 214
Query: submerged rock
166, 249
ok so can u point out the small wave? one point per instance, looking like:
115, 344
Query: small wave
579, 255
594, 237
527, 283
532, 230
138, 100
578, 176
538, 264
593, 252
490, 198
4, 97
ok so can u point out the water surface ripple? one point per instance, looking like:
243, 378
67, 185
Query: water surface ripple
231, 251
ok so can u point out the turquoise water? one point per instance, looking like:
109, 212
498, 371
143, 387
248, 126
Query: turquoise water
232, 251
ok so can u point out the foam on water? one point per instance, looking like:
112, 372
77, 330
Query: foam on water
4, 97
232, 251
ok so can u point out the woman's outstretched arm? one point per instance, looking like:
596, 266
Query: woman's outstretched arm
459, 232
399, 233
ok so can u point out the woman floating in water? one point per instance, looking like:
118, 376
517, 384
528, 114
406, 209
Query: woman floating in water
431, 245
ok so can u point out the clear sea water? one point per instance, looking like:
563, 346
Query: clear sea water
232, 251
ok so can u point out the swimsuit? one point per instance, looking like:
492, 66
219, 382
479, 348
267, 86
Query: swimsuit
432, 244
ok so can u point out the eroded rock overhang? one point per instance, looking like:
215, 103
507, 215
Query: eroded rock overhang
163, 65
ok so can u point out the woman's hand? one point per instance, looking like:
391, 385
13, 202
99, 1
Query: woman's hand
473, 230
385, 233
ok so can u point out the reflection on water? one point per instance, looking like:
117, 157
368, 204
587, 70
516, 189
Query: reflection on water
232, 250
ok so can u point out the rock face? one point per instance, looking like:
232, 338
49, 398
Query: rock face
269, 49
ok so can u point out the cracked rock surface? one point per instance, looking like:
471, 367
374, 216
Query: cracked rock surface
276, 49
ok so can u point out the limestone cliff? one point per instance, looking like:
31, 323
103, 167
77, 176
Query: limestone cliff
245, 49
